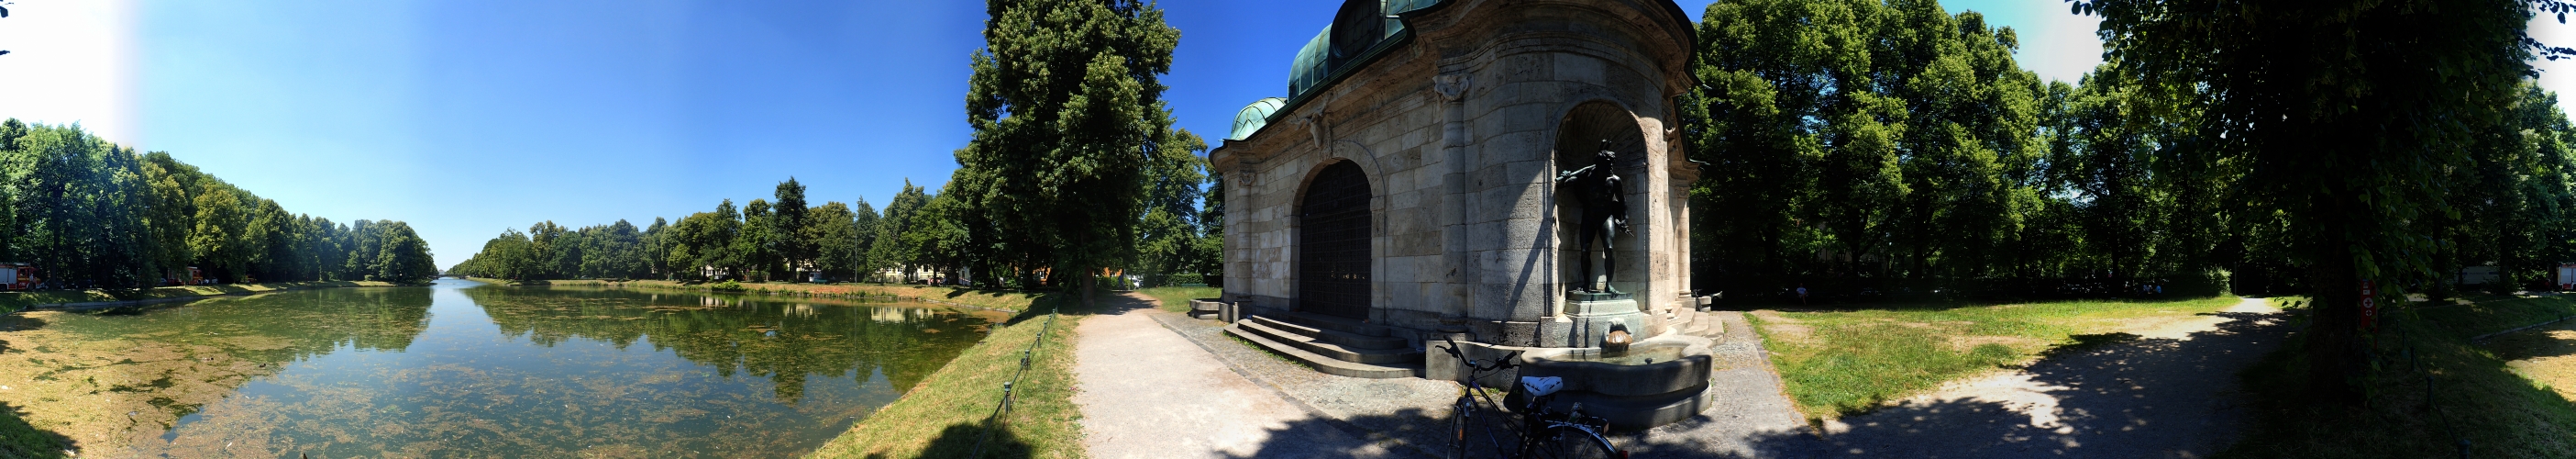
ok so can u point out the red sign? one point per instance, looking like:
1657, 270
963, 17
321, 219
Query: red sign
2369, 306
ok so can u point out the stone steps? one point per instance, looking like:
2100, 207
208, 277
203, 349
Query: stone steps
1328, 365
1311, 343
1344, 338
1324, 322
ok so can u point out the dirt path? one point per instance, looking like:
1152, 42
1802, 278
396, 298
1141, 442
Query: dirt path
1149, 393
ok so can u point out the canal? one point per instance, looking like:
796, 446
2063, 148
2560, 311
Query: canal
464, 368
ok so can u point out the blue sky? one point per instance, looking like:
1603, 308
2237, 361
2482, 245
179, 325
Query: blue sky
466, 117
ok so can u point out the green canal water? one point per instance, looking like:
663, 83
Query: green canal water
467, 369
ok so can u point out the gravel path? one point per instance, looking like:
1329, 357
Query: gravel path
1148, 393
2163, 391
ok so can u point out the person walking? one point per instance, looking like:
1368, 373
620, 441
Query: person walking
1802, 294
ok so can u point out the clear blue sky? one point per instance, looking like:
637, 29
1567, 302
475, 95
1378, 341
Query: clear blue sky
466, 117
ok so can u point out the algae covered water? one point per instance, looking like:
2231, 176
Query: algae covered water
466, 369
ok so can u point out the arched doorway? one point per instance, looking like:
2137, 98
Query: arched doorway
1333, 243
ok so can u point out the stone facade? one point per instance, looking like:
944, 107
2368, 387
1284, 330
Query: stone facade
1460, 126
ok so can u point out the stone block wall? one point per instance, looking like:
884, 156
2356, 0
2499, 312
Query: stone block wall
1463, 205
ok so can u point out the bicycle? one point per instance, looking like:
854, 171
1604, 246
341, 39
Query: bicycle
1540, 433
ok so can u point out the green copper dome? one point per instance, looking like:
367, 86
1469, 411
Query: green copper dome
1323, 55
1254, 116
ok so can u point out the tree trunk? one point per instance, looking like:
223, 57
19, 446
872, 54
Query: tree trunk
2333, 335
1088, 283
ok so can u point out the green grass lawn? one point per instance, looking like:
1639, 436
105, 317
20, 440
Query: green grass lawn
945, 415
1177, 299
1839, 362
2430, 391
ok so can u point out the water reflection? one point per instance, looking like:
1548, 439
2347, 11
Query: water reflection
785, 342
463, 370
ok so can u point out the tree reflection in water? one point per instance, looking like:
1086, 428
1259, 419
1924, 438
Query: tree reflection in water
782, 341
512, 371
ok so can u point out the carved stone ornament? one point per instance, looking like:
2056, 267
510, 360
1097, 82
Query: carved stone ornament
1452, 88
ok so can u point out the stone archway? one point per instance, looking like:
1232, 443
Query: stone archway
1333, 254
1579, 135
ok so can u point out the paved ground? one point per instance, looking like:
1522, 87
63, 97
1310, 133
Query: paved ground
1149, 393
2166, 390
1405, 415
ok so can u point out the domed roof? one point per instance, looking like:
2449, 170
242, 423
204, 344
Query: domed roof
1323, 55
1254, 116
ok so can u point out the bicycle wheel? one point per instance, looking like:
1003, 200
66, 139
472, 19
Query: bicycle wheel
1568, 442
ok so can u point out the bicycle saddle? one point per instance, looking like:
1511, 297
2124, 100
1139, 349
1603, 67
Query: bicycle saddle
1540, 386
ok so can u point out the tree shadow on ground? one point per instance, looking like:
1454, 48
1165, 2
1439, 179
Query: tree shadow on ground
1406, 433
2108, 395
974, 441
1935, 304
20, 439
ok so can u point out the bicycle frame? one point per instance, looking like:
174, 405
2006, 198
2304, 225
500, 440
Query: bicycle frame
1533, 418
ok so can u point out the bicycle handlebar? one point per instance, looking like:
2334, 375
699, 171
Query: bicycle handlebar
1497, 364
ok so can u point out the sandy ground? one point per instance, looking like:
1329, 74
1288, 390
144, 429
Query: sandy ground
1146, 392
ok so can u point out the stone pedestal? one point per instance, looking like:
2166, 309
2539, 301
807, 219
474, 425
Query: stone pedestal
1589, 317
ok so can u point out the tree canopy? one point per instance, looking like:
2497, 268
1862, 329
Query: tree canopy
92, 214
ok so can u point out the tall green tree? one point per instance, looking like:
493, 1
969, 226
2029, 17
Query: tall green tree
889, 249
831, 232
1067, 111
791, 224
2285, 87
863, 225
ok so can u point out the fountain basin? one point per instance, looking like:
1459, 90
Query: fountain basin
1658, 381
1657, 367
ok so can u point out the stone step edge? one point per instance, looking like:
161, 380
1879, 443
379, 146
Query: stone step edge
1343, 338
1327, 365
1322, 322
1336, 352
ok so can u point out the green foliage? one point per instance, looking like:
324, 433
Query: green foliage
1898, 136
2351, 118
1890, 145
92, 214
889, 248
729, 285
760, 243
1064, 98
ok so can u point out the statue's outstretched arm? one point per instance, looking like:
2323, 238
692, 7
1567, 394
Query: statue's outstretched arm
1561, 177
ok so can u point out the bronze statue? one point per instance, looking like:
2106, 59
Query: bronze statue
1605, 213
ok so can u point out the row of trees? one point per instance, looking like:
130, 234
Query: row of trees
92, 214
763, 240
918, 233
1892, 145
1074, 167
2309, 145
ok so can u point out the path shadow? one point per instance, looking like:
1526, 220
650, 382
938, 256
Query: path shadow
970, 441
18, 439
2537, 343
1407, 433
2108, 395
